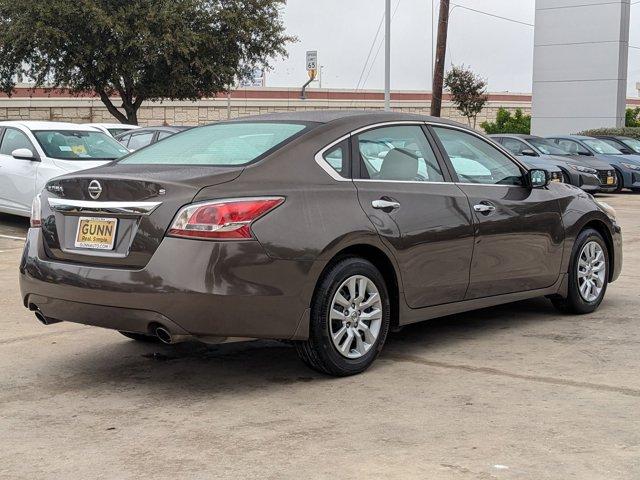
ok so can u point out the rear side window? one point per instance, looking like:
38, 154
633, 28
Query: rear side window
14, 139
225, 144
400, 153
337, 158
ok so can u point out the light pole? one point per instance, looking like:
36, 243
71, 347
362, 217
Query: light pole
387, 55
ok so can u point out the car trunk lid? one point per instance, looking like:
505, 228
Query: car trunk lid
117, 215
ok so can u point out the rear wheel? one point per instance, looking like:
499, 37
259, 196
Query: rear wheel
588, 274
350, 318
140, 337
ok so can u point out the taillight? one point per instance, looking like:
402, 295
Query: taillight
221, 219
36, 212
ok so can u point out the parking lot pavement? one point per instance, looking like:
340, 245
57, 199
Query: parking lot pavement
518, 391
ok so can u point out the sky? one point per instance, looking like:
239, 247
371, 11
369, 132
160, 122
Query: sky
342, 31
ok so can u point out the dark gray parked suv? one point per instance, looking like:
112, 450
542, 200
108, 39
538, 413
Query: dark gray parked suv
326, 229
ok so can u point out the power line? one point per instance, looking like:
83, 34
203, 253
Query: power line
373, 44
379, 48
493, 15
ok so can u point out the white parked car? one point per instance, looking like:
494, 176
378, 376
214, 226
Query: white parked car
112, 129
31, 153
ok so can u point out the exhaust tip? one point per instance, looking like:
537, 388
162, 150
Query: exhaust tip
41, 318
164, 335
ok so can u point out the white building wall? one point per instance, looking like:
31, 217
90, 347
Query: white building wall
579, 65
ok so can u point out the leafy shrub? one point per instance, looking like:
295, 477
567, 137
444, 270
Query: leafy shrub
507, 123
632, 118
633, 132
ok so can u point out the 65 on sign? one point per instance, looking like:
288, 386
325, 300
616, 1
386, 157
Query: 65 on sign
96, 233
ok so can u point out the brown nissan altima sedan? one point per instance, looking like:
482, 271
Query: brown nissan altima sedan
324, 228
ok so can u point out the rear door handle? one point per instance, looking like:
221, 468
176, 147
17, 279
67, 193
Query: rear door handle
386, 205
484, 208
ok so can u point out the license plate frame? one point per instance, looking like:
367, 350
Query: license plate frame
101, 238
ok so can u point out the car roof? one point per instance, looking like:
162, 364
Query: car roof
113, 125
522, 136
329, 116
41, 125
163, 128
572, 137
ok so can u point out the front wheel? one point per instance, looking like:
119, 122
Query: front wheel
619, 182
350, 318
588, 274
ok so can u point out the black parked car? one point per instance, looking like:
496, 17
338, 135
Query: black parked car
586, 172
326, 229
141, 137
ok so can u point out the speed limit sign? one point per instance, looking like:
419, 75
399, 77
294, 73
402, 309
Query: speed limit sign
312, 60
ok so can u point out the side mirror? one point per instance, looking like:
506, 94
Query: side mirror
626, 151
528, 153
539, 178
23, 154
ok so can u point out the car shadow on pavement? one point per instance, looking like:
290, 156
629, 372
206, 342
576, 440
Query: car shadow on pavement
237, 368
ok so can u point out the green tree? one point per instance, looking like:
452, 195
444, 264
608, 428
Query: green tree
632, 117
468, 91
507, 123
138, 49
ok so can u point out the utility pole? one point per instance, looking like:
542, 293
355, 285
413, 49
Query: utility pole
387, 55
441, 51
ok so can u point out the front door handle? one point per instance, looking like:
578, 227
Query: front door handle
484, 208
385, 205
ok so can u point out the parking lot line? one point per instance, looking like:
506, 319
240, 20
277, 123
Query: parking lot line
12, 237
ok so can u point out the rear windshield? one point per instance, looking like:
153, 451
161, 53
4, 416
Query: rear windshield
221, 144
79, 145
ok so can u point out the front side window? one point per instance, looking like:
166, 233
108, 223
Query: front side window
14, 139
574, 148
546, 146
162, 135
632, 143
515, 146
79, 145
139, 140
222, 144
601, 147
476, 161
400, 153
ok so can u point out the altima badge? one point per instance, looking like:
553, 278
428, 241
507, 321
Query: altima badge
95, 189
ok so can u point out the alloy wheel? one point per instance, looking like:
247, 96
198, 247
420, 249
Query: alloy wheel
355, 316
591, 271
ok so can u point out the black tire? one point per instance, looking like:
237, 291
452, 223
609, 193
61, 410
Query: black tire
319, 352
140, 337
619, 182
575, 303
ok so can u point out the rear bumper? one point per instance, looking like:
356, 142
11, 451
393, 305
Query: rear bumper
199, 288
